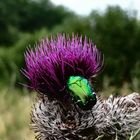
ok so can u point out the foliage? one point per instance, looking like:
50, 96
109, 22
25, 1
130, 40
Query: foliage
12, 59
116, 32
28, 16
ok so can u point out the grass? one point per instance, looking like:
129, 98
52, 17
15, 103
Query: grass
15, 107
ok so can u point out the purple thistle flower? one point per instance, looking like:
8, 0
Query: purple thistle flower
53, 61
49, 68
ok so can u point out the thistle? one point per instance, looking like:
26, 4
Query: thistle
55, 62
60, 69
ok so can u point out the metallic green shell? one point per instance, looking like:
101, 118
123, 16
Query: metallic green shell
82, 92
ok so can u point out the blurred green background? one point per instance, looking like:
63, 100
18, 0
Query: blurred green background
24, 22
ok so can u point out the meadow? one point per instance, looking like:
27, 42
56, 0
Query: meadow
15, 108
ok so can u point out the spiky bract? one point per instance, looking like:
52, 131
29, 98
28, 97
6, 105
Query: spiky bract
113, 117
54, 60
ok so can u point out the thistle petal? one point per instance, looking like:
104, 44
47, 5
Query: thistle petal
54, 60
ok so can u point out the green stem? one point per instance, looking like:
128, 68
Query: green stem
135, 135
99, 137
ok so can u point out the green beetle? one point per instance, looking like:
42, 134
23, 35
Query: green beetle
82, 92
